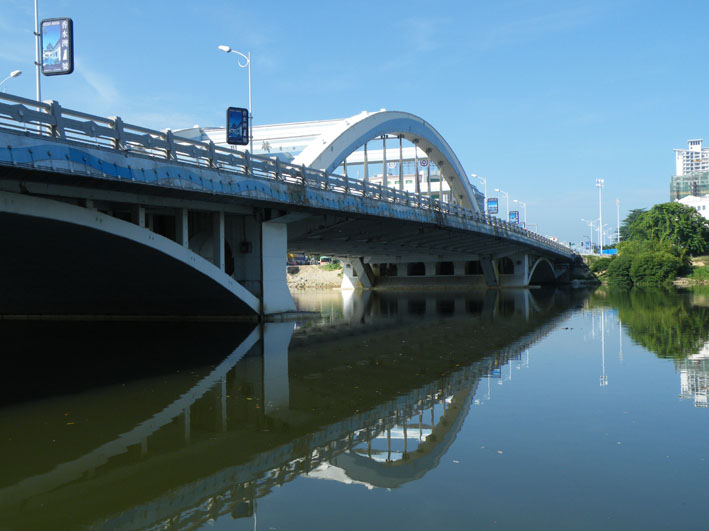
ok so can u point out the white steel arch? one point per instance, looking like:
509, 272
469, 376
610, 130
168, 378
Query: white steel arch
329, 150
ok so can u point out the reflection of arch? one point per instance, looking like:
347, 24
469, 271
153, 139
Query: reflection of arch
354, 132
542, 272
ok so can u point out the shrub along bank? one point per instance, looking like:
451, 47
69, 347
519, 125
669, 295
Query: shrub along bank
659, 246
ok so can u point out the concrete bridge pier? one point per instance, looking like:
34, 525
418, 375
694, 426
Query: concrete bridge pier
356, 274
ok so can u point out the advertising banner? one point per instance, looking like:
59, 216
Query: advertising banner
57, 43
492, 205
237, 126
514, 217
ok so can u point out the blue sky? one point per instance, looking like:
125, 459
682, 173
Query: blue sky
541, 97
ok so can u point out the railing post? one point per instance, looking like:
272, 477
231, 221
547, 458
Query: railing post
212, 155
247, 156
170, 141
55, 111
119, 140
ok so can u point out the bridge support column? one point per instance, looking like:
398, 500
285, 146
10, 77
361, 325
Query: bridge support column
357, 275
276, 297
138, 215
492, 278
520, 276
218, 240
182, 232
260, 264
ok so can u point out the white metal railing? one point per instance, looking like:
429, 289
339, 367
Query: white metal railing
50, 119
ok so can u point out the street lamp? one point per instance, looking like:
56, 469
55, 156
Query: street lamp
484, 180
599, 184
590, 224
14, 73
507, 200
524, 205
247, 64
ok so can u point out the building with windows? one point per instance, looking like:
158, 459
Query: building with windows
700, 204
691, 171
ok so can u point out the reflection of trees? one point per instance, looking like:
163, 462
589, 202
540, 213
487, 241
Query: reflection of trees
664, 322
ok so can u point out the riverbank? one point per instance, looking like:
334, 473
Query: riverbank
313, 278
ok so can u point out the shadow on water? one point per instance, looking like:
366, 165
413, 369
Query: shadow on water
375, 397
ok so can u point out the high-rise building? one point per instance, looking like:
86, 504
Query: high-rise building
691, 171
691, 160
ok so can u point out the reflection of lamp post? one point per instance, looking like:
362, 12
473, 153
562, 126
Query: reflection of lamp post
14, 73
507, 200
604, 376
524, 205
247, 64
484, 180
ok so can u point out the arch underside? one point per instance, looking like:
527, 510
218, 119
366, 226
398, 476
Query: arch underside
542, 272
59, 268
331, 151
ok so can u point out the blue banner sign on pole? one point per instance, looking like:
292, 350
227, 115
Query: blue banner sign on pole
237, 126
57, 42
492, 205
514, 217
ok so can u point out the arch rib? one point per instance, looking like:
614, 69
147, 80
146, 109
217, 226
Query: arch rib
330, 150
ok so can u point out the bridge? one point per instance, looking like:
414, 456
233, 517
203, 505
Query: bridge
105, 217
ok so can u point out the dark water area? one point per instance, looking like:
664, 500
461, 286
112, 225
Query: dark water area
500, 410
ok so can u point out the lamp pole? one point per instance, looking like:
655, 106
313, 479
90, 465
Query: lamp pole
507, 202
484, 180
247, 64
617, 212
524, 205
37, 51
14, 73
599, 184
590, 224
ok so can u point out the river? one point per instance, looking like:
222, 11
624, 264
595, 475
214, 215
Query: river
540, 409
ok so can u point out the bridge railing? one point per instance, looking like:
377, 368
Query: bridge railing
50, 119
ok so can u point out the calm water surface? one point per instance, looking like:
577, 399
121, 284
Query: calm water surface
502, 410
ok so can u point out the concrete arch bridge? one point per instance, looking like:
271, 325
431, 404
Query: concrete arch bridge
114, 218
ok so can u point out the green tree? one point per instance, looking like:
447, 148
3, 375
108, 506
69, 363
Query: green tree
628, 221
672, 223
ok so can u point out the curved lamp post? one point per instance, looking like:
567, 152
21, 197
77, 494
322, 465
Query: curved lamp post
14, 73
484, 180
247, 64
507, 202
524, 205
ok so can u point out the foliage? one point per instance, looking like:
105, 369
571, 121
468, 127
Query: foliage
618, 272
700, 273
330, 267
663, 321
601, 264
654, 268
672, 223
628, 221
646, 263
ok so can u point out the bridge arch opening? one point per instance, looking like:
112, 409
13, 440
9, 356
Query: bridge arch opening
542, 272
416, 269
506, 266
473, 267
444, 268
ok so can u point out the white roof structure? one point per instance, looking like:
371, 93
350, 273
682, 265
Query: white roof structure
329, 145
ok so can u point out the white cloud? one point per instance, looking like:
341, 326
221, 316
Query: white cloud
102, 85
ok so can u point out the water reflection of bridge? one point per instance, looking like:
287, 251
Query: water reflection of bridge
261, 418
